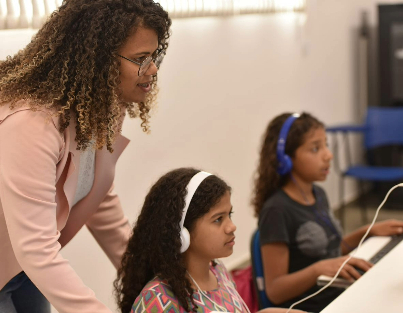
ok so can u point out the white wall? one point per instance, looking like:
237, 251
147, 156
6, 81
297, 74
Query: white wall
222, 81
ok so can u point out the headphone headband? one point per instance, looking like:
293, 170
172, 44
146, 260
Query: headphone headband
284, 160
192, 186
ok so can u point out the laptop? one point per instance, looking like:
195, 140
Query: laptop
373, 250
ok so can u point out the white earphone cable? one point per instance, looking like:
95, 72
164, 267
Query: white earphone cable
228, 282
216, 304
352, 255
204, 294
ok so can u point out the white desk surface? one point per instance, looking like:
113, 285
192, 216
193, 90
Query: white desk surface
380, 289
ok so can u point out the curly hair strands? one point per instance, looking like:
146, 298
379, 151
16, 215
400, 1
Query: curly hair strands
267, 181
71, 64
154, 248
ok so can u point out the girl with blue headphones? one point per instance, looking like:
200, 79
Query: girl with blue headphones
300, 238
170, 264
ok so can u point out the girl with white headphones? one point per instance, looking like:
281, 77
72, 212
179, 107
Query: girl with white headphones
170, 264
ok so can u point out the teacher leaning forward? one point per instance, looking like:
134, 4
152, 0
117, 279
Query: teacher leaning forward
63, 99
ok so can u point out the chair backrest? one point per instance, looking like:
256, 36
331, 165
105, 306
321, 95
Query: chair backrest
257, 270
384, 127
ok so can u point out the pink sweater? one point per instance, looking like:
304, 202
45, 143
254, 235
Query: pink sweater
38, 178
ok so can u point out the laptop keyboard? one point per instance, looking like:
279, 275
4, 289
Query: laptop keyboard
389, 246
395, 240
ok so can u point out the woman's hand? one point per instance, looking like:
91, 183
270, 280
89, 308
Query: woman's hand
387, 228
330, 267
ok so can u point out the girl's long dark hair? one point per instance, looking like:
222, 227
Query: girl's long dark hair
267, 181
154, 248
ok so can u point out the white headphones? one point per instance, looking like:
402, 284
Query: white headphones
191, 188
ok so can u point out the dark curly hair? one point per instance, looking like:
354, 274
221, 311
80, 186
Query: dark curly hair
267, 181
154, 248
71, 64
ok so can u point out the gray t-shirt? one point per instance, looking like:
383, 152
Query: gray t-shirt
311, 234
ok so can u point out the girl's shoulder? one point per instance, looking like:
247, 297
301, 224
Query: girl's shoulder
156, 296
220, 271
278, 201
157, 285
319, 190
218, 267
222, 274
278, 196
321, 197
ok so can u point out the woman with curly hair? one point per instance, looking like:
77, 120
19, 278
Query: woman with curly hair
63, 99
299, 236
170, 264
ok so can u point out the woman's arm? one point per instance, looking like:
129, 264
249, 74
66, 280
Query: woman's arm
384, 228
30, 146
110, 227
282, 286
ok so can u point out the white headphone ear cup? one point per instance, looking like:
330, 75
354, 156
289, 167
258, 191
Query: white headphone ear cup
185, 238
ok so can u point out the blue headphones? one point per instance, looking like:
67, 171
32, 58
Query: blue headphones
284, 160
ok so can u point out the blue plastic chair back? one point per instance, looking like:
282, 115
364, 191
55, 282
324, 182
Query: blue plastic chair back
258, 274
384, 127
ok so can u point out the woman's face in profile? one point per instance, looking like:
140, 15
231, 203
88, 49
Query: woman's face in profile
138, 46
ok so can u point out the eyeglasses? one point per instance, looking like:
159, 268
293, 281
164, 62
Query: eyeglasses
145, 64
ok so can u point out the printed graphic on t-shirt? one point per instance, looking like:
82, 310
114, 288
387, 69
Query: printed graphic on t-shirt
312, 240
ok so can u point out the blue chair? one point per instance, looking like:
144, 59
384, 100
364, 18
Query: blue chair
383, 127
257, 270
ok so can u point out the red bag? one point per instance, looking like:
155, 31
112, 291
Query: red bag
243, 279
